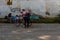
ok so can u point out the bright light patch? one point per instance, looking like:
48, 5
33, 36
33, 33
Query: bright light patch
44, 37
58, 37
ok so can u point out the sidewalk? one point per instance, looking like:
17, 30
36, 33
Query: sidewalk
35, 32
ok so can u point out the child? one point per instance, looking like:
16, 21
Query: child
17, 20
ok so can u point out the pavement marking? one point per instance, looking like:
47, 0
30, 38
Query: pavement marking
44, 37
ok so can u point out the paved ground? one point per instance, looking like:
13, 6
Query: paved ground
35, 32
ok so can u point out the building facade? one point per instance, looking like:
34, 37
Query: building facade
37, 6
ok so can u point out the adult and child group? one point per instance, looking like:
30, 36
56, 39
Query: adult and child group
24, 16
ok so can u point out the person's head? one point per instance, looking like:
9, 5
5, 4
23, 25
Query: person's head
23, 9
16, 15
10, 14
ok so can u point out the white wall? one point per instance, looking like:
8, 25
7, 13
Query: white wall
53, 7
37, 6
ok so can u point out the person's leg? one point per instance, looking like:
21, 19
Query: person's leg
19, 21
10, 20
27, 23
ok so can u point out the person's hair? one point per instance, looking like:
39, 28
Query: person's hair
16, 15
9, 15
23, 9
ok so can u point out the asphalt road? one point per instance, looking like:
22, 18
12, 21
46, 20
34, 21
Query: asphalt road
35, 32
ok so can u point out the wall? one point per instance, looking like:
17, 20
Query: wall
53, 7
37, 6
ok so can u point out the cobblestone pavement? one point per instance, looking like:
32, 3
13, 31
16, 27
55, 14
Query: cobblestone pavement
35, 32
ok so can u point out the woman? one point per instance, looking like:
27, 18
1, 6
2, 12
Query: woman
9, 17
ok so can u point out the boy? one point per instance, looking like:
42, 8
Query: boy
17, 20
